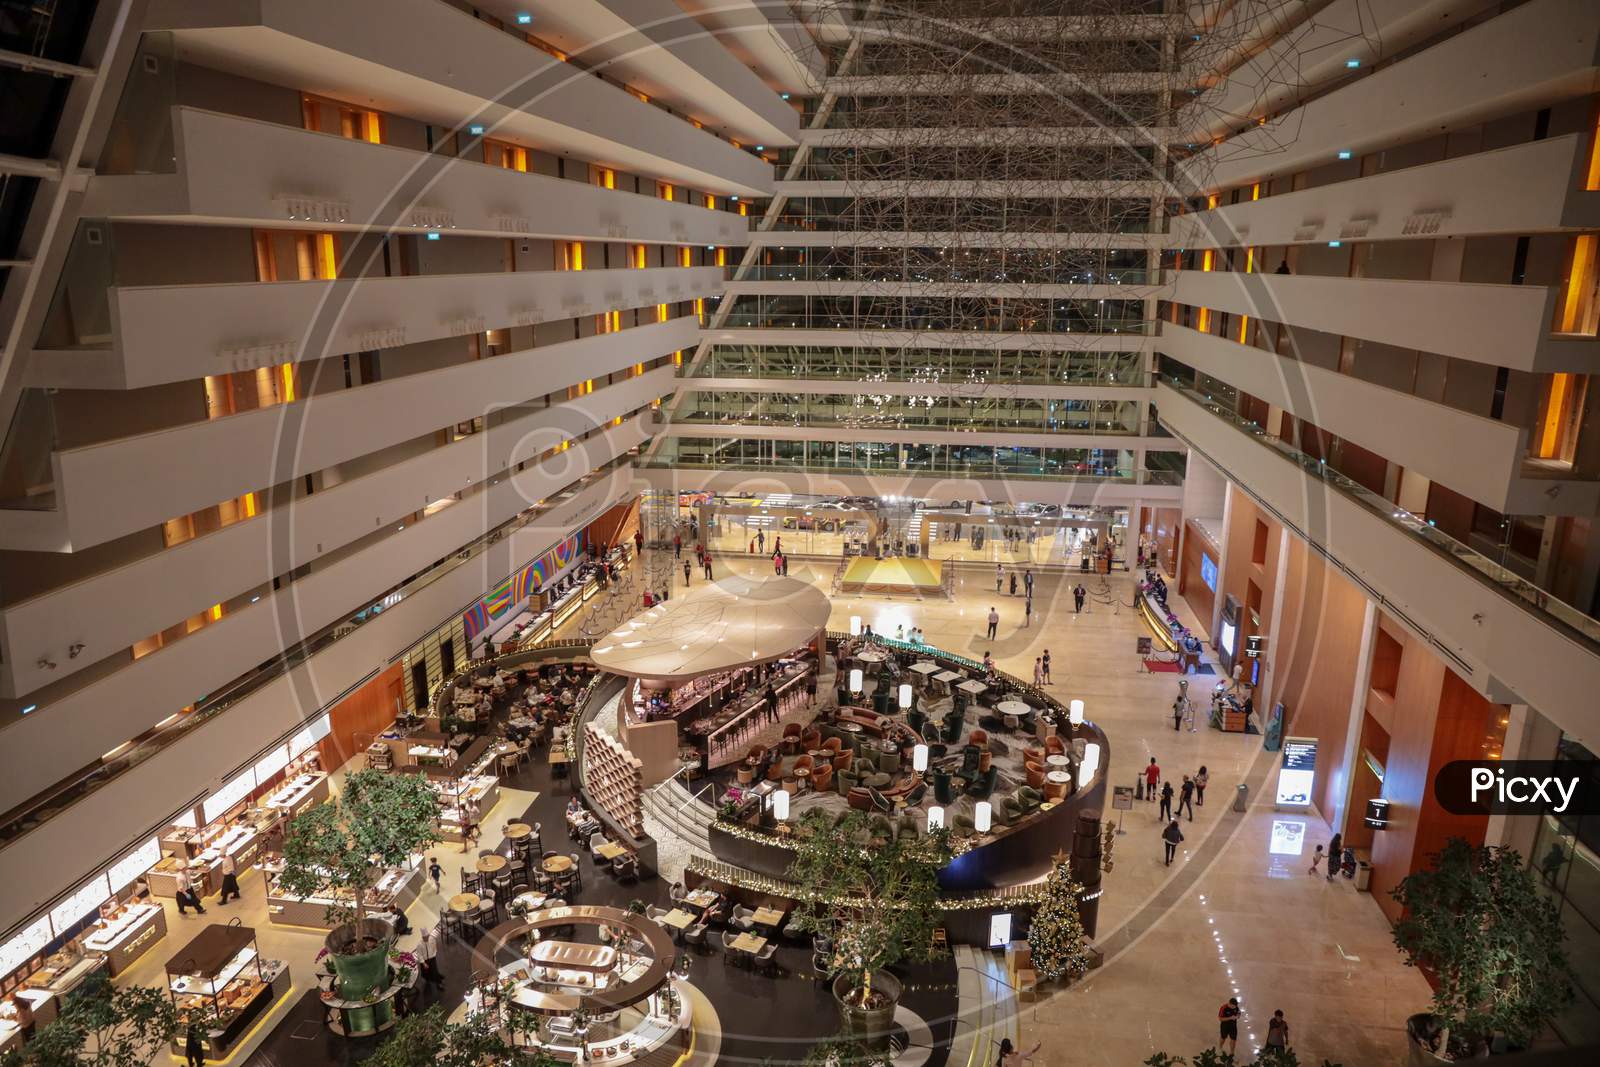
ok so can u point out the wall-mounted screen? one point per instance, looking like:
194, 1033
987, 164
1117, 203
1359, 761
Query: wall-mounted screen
1208, 571
1000, 929
1227, 636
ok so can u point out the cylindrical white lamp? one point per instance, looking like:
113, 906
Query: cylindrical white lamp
935, 818
780, 804
1075, 713
855, 679
919, 758
1091, 753
905, 694
855, 626
1085, 772
982, 816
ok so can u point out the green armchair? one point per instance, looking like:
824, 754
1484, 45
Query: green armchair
981, 786
943, 790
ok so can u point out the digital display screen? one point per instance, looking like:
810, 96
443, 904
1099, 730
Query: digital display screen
1000, 930
1229, 634
1208, 572
1299, 771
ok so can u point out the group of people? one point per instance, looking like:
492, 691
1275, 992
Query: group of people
1150, 786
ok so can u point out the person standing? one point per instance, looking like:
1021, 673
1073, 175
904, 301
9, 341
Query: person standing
1027, 611
194, 1048
1171, 837
1027, 582
1038, 672
186, 894
436, 872
1201, 777
1078, 593
638, 542
994, 623
1013, 583
1177, 713
1166, 804
706, 560
1044, 661
1186, 797
786, 566
1335, 855
1316, 860
230, 879
1228, 1021
677, 546
999, 577
685, 572
427, 953
761, 540
1152, 775
1277, 1032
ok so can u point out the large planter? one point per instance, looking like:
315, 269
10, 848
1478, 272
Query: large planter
359, 972
870, 1026
1417, 1055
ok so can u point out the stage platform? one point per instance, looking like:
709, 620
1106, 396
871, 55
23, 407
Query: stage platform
890, 577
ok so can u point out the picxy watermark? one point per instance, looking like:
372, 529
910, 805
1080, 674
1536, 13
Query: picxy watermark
1518, 787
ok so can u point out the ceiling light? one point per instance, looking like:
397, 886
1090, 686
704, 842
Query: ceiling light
523, 18
1344, 153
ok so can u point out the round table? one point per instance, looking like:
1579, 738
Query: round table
851, 727
558, 864
1058, 777
1057, 761
465, 903
1013, 707
517, 830
526, 902
491, 864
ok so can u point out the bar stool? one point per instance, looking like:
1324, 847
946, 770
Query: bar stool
502, 884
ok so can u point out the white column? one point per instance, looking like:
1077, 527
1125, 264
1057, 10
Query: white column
1338, 818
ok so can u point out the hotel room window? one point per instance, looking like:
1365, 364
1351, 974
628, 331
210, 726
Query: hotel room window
504, 154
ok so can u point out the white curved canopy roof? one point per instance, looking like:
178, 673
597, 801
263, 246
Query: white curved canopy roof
730, 623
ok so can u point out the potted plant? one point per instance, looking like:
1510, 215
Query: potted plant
1492, 944
876, 905
102, 1026
429, 1039
341, 849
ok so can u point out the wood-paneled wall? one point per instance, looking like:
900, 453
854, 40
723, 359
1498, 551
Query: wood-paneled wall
1191, 586
356, 719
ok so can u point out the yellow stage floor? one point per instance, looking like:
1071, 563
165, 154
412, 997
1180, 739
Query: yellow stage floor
920, 577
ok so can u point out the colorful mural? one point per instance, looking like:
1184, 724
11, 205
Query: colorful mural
506, 596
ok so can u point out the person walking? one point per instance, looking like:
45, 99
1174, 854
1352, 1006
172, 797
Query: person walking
994, 623
1277, 1032
999, 577
1228, 1023
706, 561
1186, 797
638, 542
186, 893
1027, 582
1201, 777
1044, 661
1027, 611
1166, 803
1038, 672
1152, 775
1013, 584
1335, 855
677, 546
436, 872
1171, 837
194, 1048
1177, 713
230, 879
1078, 593
777, 544
1316, 860
427, 953
685, 572
761, 540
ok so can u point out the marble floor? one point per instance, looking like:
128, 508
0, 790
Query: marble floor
1231, 916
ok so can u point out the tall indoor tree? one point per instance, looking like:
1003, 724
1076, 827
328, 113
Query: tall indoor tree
1493, 943
102, 1026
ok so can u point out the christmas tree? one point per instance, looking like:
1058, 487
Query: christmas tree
1056, 935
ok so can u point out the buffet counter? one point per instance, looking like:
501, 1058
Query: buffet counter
220, 978
397, 886
242, 842
125, 936
299, 795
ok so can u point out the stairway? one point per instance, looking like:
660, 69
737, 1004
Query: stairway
987, 1009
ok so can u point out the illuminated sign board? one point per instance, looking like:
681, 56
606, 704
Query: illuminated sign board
1298, 770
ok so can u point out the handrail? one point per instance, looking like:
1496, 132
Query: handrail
1510, 585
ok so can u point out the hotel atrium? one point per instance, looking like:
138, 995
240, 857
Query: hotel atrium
801, 461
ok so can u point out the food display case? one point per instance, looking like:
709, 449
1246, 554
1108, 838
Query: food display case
220, 978
203, 850
126, 933
298, 795
396, 885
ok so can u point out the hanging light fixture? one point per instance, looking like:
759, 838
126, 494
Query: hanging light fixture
982, 816
1075, 713
919, 758
855, 626
935, 818
780, 805
905, 695
855, 679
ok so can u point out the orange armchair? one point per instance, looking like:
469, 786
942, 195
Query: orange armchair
979, 738
822, 778
841, 762
811, 739
775, 772
1053, 745
802, 761
833, 744
1035, 774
